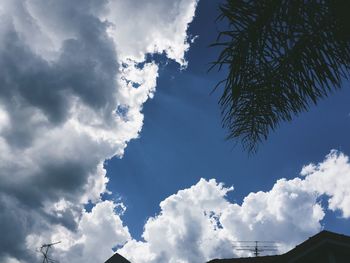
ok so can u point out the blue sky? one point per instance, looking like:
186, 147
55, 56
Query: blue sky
182, 139
108, 142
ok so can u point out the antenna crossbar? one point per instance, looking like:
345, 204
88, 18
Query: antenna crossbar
44, 250
257, 247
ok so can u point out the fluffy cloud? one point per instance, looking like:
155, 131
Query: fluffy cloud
71, 95
332, 178
74, 78
200, 223
96, 234
157, 26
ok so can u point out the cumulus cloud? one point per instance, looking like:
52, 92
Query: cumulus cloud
332, 178
74, 78
97, 233
157, 26
200, 223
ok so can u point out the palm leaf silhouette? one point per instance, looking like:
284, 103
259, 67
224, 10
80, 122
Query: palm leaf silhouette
282, 57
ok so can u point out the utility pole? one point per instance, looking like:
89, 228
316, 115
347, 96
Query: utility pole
44, 250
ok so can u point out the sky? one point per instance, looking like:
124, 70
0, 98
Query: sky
111, 140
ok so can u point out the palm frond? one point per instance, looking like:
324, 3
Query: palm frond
282, 56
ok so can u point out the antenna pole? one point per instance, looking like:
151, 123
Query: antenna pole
44, 249
256, 247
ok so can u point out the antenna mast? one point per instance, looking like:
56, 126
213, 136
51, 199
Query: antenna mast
256, 246
44, 249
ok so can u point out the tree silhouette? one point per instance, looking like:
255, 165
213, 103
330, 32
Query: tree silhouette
282, 56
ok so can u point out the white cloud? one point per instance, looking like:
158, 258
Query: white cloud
97, 233
156, 26
331, 177
71, 97
200, 223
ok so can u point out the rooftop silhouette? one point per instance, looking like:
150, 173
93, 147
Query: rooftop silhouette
323, 247
116, 258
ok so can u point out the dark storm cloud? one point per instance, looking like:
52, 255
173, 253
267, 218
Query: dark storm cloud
31, 85
14, 224
86, 68
60, 88
56, 180
29, 78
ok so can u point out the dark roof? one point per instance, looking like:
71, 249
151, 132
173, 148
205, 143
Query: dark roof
325, 240
116, 258
323, 247
264, 259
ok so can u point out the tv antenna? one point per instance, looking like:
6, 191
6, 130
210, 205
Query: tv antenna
257, 247
44, 250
